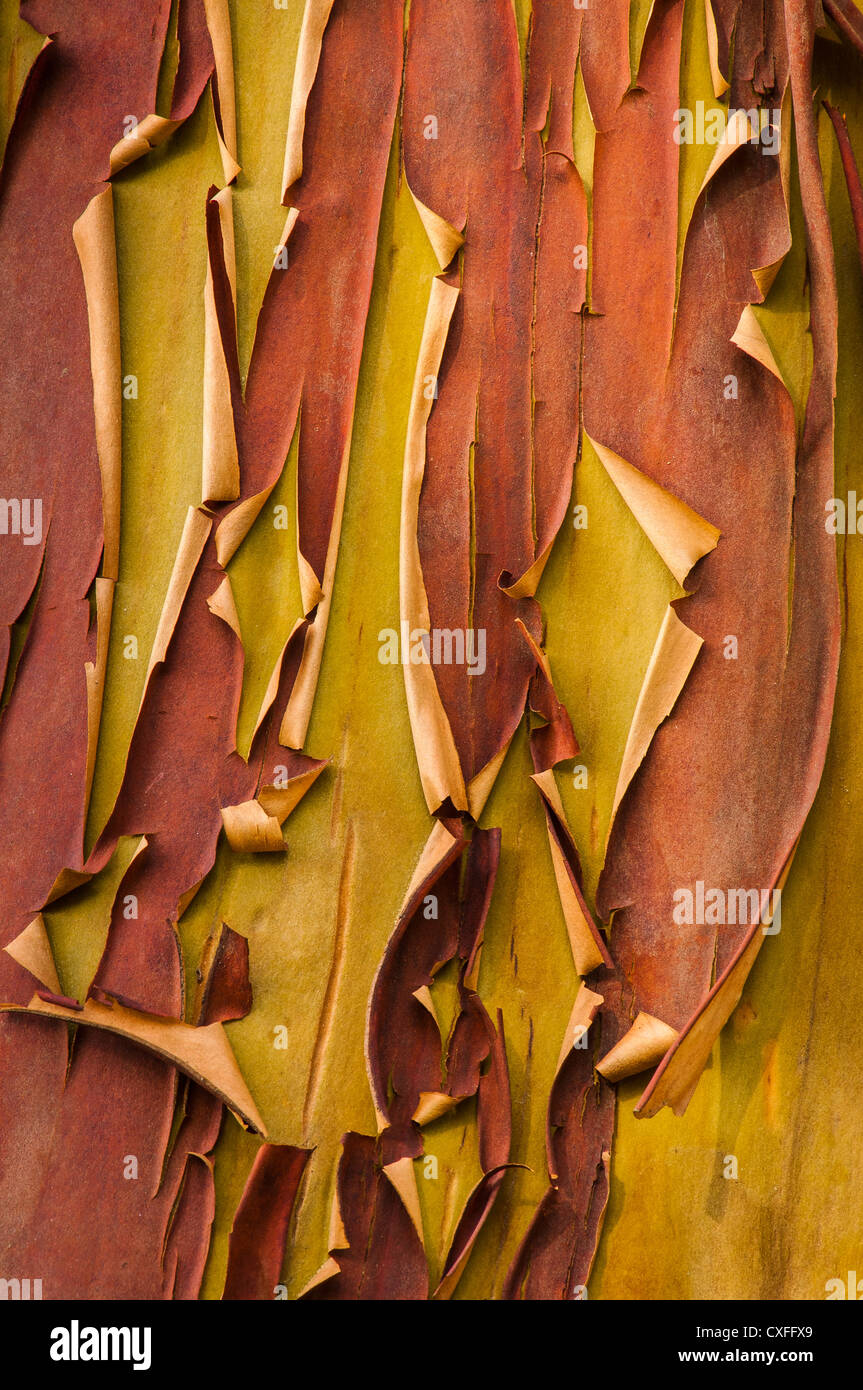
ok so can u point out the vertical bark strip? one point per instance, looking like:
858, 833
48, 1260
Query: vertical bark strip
261, 1220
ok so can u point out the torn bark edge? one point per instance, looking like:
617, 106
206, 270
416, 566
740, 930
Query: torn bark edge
439, 854
439, 766
315, 17
553, 742
220, 480
203, 1053
94, 237
675, 1079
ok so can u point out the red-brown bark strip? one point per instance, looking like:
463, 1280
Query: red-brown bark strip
195, 62
226, 991
557, 1252
553, 741
384, 1258
91, 1225
692, 441
442, 920
404, 1042
605, 59
556, 1255
560, 272
851, 171
788, 755
756, 36
848, 20
181, 769
494, 1124
187, 1241
260, 1230
476, 511
634, 244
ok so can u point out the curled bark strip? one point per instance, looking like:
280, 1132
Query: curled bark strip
380, 1255
203, 1053
650, 854
851, 171
675, 1079
645, 1044
93, 234
556, 1256
437, 757
186, 1242
226, 992
315, 16
196, 60
718, 50
848, 20
811, 662
221, 469
495, 1126
219, 26
403, 1045
442, 919
29, 91
476, 1211
194, 70
552, 741
32, 951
